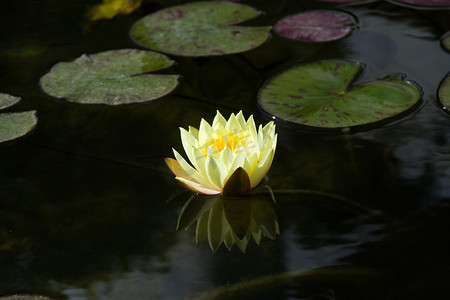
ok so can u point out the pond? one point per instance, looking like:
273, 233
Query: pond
89, 208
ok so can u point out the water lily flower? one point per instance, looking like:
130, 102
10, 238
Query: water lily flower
229, 157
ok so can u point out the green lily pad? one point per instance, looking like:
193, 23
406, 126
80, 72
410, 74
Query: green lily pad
321, 94
200, 29
17, 124
7, 100
444, 93
112, 77
14, 125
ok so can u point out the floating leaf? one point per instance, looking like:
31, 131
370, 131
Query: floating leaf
316, 26
110, 8
7, 100
14, 125
445, 41
112, 77
200, 29
319, 94
425, 3
444, 93
24, 297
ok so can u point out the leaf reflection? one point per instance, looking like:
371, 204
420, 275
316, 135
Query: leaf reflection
230, 220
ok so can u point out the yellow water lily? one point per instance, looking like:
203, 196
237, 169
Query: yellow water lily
229, 157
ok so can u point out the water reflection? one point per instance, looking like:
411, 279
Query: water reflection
230, 220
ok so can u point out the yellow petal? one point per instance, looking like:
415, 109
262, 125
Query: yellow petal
233, 125
190, 170
194, 132
216, 171
219, 119
205, 133
240, 118
188, 142
262, 168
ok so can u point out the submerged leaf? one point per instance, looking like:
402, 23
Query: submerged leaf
110, 8
316, 26
320, 94
445, 41
425, 3
112, 77
200, 29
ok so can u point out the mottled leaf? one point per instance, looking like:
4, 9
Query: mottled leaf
200, 29
316, 26
112, 77
321, 94
7, 100
444, 93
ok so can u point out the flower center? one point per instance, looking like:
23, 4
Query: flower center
219, 142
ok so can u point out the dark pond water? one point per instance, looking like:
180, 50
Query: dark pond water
83, 198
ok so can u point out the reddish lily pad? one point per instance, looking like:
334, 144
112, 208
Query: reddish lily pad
112, 77
16, 124
320, 94
444, 93
316, 26
200, 29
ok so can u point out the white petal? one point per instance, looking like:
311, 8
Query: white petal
194, 132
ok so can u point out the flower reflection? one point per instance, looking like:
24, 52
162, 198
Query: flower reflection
231, 220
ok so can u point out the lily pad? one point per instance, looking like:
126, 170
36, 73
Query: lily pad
112, 77
200, 29
24, 297
7, 100
437, 4
445, 41
444, 93
316, 26
17, 124
321, 94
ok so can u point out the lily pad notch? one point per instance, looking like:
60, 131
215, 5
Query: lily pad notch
112, 77
321, 94
200, 29
15, 124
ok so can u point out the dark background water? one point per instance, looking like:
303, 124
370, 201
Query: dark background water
83, 198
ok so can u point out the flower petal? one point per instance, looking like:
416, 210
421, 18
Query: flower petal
240, 118
205, 132
188, 142
197, 187
176, 169
191, 171
216, 171
262, 168
219, 119
233, 125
